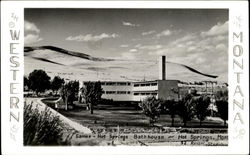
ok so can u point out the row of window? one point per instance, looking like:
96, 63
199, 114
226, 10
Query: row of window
116, 83
147, 94
128, 92
116, 92
126, 84
145, 84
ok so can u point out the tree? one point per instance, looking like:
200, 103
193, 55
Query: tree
222, 106
92, 93
186, 108
39, 81
69, 92
26, 83
221, 94
57, 83
201, 107
151, 107
171, 107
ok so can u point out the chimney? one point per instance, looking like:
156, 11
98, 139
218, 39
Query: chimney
162, 67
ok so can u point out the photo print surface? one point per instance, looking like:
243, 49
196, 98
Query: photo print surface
135, 77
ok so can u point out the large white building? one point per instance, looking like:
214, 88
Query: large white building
137, 91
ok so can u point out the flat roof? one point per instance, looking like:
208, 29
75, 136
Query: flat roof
152, 81
134, 81
111, 81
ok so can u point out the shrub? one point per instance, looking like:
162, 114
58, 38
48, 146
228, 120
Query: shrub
41, 128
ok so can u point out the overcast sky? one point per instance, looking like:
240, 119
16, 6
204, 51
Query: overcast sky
194, 37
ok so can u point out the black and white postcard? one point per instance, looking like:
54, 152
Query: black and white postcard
120, 77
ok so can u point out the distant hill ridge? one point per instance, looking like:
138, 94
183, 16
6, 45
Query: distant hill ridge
68, 52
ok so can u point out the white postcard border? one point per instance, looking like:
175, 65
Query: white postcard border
12, 16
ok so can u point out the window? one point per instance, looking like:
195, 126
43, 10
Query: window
148, 84
136, 85
136, 93
110, 83
128, 92
119, 83
122, 83
153, 84
121, 92
103, 83
110, 92
129, 84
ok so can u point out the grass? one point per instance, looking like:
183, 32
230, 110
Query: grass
41, 128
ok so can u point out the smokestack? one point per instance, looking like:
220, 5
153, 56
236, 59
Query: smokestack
162, 67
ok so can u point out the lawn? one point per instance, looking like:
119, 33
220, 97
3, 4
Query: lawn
129, 117
123, 115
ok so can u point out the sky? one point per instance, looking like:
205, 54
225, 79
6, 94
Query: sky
194, 37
